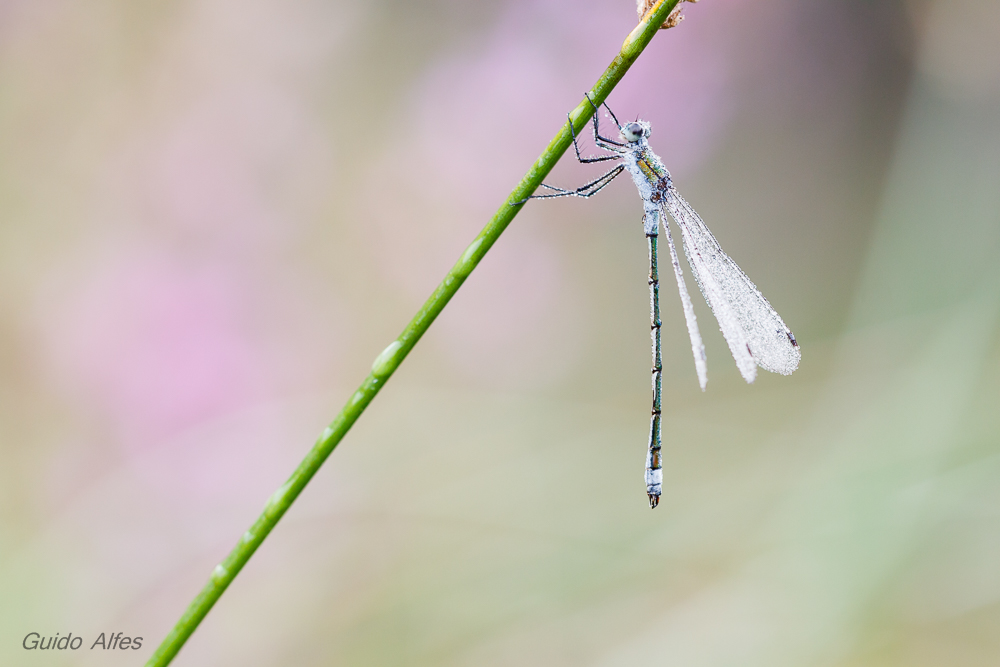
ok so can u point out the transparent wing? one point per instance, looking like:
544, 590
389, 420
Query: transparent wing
753, 330
697, 347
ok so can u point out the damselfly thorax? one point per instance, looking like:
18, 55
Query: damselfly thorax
756, 335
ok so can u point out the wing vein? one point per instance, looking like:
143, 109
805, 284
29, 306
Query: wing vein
755, 333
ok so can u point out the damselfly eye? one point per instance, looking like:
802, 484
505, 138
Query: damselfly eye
632, 132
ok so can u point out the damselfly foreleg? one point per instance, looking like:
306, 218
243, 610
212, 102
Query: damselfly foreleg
604, 142
585, 160
654, 468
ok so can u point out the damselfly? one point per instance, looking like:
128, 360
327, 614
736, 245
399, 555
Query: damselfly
755, 333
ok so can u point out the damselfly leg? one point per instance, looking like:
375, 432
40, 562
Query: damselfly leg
587, 190
604, 142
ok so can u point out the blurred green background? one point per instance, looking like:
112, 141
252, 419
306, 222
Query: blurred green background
215, 214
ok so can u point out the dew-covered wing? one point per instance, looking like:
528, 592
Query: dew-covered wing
697, 347
754, 331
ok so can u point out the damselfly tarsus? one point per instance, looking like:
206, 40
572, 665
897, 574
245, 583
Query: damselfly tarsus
755, 333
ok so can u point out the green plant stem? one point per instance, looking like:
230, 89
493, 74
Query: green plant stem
390, 358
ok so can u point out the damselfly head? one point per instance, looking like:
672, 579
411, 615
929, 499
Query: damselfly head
633, 132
